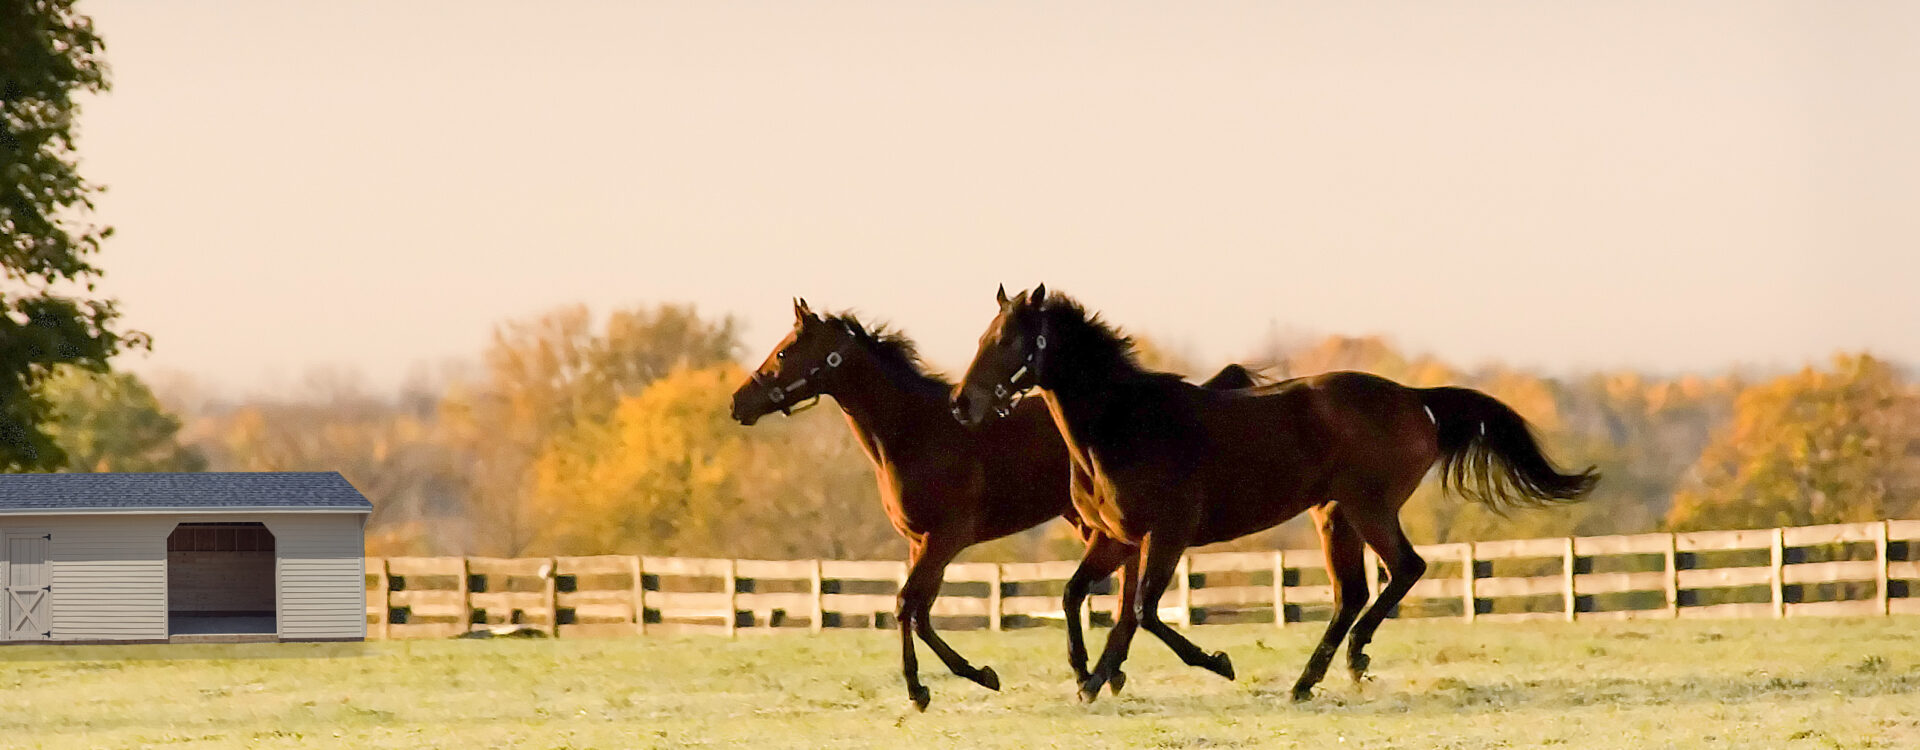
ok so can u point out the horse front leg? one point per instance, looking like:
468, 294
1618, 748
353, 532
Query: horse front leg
1104, 554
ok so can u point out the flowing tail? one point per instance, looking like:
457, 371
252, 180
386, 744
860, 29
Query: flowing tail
1488, 454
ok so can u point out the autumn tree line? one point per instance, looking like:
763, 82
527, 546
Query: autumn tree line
578, 434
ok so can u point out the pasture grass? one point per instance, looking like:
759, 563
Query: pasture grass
1773, 684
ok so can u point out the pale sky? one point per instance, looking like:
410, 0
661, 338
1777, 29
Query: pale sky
1661, 185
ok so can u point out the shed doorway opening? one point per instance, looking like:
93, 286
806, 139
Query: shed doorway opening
220, 580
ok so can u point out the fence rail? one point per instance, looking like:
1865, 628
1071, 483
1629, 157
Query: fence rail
1840, 569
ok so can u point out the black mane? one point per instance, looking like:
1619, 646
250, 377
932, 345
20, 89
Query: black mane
891, 347
1098, 346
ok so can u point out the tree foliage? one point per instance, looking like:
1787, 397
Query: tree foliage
48, 316
1833, 446
112, 422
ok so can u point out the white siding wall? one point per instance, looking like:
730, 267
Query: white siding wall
323, 589
109, 575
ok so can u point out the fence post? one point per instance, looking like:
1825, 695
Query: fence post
1186, 591
378, 566
1880, 585
639, 594
550, 587
1570, 569
1279, 589
732, 583
993, 599
1673, 575
1778, 582
1468, 600
465, 623
819, 620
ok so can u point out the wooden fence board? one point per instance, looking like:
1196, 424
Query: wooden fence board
1614, 583
1626, 544
1719, 541
1851, 608
1233, 595
796, 603
693, 567
972, 572
1490, 588
595, 565
1224, 562
426, 566
779, 570
859, 604
1806, 536
1907, 570
1722, 611
1832, 572
1708, 578
1511, 549
524, 567
1903, 530
861, 570
1058, 570
668, 602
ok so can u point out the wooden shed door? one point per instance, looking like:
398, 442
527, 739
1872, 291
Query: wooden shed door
27, 589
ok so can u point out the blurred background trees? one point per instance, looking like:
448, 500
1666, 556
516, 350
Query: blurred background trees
584, 434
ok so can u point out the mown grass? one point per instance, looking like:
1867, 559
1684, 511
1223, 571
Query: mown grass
1792, 684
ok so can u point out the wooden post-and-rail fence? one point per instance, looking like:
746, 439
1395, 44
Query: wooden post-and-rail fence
1841, 569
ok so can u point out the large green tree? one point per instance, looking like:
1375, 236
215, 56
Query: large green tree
49, 314
112, 422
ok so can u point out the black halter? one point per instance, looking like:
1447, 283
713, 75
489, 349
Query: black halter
1013, 390
778, 393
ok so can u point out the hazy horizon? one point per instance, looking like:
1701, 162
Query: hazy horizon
1659, 187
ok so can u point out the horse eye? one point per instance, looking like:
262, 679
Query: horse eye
782, 354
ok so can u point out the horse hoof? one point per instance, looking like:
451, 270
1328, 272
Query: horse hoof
921, 697
987, 678
1357, 666
1302, 694
1119, 681
1222, 665
1090, 690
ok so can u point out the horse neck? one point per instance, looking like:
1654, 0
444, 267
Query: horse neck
1077, 393
887, 410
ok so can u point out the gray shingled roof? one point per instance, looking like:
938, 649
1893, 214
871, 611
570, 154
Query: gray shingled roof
209, 491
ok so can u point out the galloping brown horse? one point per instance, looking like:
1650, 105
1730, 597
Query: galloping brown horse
1170, 466
944, 487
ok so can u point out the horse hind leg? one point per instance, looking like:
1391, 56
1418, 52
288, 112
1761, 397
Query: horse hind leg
1346, 566
1404, 566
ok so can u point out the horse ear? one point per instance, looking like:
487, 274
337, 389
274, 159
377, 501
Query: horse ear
800, 310
1038, 296
1001, 296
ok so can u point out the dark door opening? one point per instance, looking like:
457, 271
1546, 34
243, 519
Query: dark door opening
220, 579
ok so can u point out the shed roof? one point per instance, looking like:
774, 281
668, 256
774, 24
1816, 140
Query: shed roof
206, 492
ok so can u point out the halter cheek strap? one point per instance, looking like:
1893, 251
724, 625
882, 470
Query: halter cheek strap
778, 393
1036, 357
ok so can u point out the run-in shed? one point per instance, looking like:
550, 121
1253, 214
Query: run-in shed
182, 557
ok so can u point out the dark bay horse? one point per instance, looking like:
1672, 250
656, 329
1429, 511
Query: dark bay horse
1170, 466
944, 487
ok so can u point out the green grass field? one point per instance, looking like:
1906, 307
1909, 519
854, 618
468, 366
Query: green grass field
1802, 683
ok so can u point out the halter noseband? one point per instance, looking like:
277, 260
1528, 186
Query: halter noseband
778, 393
